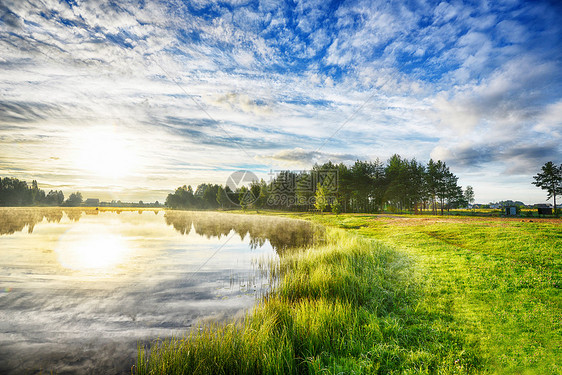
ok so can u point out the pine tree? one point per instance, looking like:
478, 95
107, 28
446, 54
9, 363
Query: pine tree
550, 179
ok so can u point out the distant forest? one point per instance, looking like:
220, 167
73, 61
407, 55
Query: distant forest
14, 192
397, 185
366, 186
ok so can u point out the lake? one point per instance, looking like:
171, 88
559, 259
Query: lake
80, 288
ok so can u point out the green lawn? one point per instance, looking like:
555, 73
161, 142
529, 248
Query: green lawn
500, 279
403, 295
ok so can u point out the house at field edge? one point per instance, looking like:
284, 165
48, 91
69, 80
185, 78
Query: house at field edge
510, 210
543, 208
542, 205
91, 202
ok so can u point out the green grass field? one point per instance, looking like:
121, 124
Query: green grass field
499, 278
396, 294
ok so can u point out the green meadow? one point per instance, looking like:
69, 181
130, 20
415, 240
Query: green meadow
394, 295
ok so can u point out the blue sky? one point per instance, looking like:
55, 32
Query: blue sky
128, 100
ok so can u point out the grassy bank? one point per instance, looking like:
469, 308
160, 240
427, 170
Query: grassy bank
351, 306
500, 279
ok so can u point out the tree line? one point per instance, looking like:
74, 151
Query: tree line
366, 186
14, 192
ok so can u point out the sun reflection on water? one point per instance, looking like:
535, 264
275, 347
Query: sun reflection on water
92, 248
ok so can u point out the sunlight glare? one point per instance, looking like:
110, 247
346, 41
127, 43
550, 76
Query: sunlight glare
104, 152
92, 248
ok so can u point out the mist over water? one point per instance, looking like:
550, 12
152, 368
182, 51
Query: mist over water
80, 288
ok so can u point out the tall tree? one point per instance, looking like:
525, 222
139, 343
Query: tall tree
208, 195
469, 194
37, 195
436, 183
54, 198
397, 174
254, 190
220, 197
550, 179
14, 192
245, 197
344, 187
444, 183
263, 196
454, 191
182, 198
362, 185
416, 183
231, 197
282, 190
75, 199
379, 184
321, 198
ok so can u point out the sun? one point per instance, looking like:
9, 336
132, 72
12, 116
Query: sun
105, 152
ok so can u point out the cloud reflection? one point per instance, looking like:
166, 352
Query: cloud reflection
79, 294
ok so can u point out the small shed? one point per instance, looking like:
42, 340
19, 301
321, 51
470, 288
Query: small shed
510, 210
545, 211
91, 202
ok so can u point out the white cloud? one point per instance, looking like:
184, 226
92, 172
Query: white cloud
301, 158
550, 121
510, 98
444, 12
243, 102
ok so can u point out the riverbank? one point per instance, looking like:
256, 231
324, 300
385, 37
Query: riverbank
353, 305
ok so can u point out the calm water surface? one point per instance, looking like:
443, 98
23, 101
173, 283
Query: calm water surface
79, 289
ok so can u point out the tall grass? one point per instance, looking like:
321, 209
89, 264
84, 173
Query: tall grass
349, 306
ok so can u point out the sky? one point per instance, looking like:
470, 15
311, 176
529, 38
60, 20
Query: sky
130, 99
